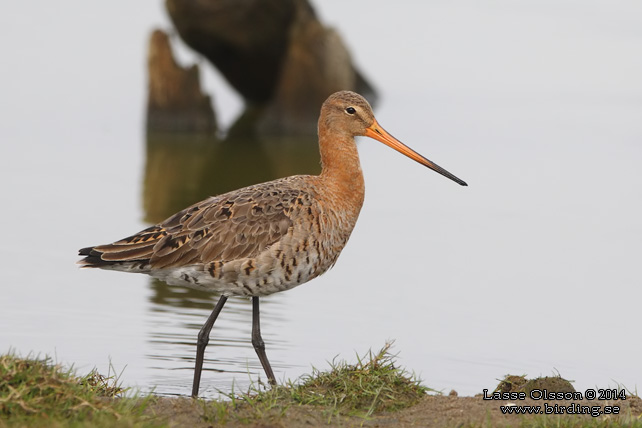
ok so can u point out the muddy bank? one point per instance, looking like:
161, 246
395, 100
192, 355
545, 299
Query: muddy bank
440, 411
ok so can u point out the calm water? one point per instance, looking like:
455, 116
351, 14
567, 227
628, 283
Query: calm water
534, 268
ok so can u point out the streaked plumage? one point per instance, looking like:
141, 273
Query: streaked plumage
264, 238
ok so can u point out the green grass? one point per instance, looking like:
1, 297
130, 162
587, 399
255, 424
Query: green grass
373, 384
36, 392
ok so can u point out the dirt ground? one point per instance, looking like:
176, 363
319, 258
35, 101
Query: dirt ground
437, 411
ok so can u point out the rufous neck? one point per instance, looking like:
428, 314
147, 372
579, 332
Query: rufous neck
340, 166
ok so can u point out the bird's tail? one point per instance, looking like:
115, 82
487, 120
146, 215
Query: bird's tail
129, 254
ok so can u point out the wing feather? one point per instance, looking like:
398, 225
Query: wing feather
231, 226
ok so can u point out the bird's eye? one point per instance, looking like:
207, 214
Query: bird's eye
350, 110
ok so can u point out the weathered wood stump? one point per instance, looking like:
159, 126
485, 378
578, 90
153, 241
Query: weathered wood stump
275, 53
175, 101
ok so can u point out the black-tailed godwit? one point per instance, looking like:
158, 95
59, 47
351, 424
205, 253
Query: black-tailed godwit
264, 238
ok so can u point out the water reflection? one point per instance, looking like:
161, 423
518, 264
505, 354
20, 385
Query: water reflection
181, 170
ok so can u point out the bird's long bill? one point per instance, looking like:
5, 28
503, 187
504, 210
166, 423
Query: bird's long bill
378, 133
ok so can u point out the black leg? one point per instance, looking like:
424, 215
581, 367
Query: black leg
257, 341
201, 343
